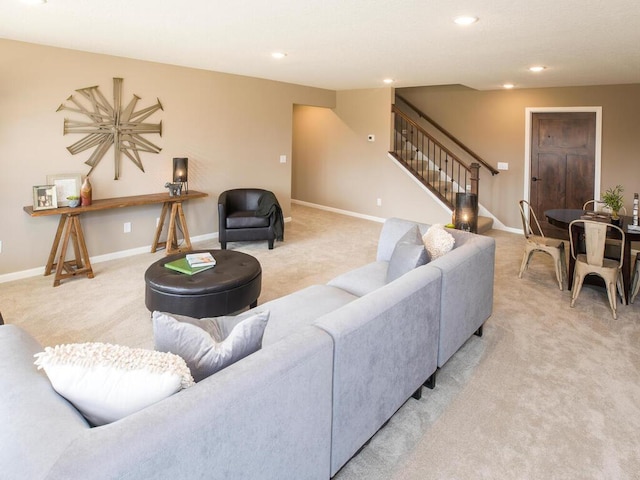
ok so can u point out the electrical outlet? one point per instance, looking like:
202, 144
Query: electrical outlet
127, 227
0, 246
379, 202
283, 159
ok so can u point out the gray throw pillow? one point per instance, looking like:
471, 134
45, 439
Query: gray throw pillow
209, 344
408, 254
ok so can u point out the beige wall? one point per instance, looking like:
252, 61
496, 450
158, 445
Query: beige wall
492, 123
232, 128
335, 165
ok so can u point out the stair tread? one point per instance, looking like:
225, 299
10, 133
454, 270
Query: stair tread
484, 224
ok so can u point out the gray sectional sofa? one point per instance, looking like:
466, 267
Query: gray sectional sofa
337, 362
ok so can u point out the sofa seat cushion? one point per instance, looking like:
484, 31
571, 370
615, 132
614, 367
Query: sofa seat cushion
363, 280
296, 310
246, 219
209, 344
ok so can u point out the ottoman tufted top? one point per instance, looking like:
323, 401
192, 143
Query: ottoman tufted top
233, 269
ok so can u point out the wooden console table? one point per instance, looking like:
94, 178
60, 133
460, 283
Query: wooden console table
69, 228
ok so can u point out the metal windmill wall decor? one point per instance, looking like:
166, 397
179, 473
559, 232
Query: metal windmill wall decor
111, 125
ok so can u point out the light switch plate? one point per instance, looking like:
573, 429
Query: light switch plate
503, 166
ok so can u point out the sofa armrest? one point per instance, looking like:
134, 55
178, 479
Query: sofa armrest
385, 346
467, 290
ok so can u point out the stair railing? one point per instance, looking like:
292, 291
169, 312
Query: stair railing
430, 162
450, 136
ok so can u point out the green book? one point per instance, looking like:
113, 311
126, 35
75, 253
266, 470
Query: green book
181, 265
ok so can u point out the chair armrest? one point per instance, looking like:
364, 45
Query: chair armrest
222, 216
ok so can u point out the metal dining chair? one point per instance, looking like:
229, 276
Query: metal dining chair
612, 244
537, 242
594, 260
635, 280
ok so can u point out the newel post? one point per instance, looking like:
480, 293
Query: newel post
475, 177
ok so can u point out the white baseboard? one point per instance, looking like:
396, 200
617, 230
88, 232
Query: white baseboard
34, 272
496, 226
337, 210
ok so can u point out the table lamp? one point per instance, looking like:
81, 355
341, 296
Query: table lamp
180, 172
466, 212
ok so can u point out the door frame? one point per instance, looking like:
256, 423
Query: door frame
529, 111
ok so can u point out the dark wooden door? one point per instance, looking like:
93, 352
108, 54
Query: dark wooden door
562, 163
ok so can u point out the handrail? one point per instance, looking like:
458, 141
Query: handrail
431, 162
418, 127
450, 135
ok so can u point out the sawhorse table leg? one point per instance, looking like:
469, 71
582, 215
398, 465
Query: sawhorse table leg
176, 217
69, 227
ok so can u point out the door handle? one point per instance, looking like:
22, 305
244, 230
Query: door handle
535, 179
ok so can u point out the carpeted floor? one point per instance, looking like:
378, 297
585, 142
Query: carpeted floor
549, 391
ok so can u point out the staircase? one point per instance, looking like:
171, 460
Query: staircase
434, 165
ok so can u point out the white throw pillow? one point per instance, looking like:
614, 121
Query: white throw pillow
108, 382
437, 241
209, 344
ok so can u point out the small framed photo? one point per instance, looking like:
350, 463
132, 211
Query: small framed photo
44, 197
67, 184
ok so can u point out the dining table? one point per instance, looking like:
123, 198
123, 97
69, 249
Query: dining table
562, 218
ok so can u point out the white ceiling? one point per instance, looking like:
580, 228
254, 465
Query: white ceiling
347, 44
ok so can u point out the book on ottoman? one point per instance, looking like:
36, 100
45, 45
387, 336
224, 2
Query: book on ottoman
182, 265
202, 259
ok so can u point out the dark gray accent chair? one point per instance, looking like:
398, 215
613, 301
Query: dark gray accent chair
237, 217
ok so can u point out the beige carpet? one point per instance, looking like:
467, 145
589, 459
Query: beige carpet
549, 392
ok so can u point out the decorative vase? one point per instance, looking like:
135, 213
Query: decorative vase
85, 193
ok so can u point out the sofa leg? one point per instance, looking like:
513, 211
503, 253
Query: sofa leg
479, 331
223, 245
431, 381
418, 393
1, 320
271, 244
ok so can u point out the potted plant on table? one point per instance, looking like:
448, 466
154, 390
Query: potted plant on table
74, 200
612, 198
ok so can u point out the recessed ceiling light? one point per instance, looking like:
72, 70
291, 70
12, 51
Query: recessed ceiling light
388, 80
465, 20
278, 55
537, 68
508, 86
34, 2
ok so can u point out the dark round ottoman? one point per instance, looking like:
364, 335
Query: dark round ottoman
230, 286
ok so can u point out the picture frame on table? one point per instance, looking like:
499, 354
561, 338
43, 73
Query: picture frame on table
44, 197
67, 184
